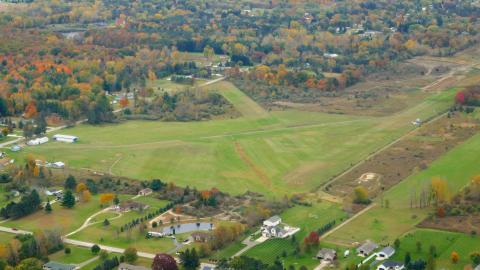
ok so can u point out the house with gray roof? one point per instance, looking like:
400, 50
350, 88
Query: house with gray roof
385, 253
272, 222
327, 254
59, 266
366, 248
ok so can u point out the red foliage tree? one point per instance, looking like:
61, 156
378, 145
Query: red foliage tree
312, 239
441, 212
164, 262
460, 98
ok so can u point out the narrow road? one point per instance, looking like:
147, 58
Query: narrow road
106, 248
347, 221
80, 265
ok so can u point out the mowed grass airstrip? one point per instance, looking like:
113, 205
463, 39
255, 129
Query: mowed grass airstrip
271, 152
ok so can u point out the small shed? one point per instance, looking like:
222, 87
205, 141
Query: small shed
385, 253
145, 192
391, 265
65, 138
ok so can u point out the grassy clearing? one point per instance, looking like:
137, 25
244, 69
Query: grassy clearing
61, 219
281, 151
77, 255
385, 225
445, 243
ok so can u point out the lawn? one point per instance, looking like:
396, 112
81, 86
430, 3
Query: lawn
307, 219
444, 242
62, 219
6, 237
111, 236
272, 152
385, 225
77, 255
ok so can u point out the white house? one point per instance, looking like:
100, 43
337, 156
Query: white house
385, 253
390, 265
274, 231
330, 55
38, 141
65, 138
272, 222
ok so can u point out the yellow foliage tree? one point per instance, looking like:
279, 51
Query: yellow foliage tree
86, 195
81, 187
106, 198
440, 189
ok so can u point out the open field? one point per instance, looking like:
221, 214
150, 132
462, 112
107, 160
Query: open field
386, 224
283, 151
445, 243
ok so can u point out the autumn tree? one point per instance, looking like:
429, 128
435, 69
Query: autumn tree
81, 187
164, 262
454, 257
106, 198
130, 255
361, 195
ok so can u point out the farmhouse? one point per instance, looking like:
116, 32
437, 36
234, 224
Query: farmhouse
391, 265
65, 138
327, 254
129, 206
145, 192
385, 253
58, 266
367, 248
124, 266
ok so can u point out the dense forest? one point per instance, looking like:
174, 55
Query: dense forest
59, 59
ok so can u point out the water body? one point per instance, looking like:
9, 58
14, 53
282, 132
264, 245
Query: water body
186, 228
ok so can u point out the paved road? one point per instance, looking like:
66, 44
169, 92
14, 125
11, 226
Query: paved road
106, 248
14, 231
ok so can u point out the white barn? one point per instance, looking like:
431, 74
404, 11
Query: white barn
65, 138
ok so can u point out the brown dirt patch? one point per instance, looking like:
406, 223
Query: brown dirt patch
257, 170
411, 154
463, 224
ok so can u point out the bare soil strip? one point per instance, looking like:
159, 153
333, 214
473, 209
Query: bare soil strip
258, 172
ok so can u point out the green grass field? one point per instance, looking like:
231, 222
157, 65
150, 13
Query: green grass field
281, 151
77, 255
61, 219
444, 242
385, 225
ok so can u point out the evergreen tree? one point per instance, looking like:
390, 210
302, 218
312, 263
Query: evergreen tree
68, 199
70, 183
48, 207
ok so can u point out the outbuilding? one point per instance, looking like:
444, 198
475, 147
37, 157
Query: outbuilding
272, 222
385, 253
58, 266
37, 141
65, 138
124, 266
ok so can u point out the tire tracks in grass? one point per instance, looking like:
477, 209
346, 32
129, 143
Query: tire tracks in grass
257, 170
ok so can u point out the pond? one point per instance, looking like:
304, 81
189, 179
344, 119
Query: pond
188, 227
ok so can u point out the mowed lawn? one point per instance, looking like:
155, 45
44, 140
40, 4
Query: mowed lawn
111, 236
62, 219
277, 152
78, 255
308, 219
385, 225
444, 242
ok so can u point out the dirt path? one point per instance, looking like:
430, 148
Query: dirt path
257, 170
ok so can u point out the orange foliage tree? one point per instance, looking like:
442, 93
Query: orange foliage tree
106, 198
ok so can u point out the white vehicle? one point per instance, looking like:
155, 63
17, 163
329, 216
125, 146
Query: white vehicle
65, 138
155, 234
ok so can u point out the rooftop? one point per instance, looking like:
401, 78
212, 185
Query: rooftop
58, 266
